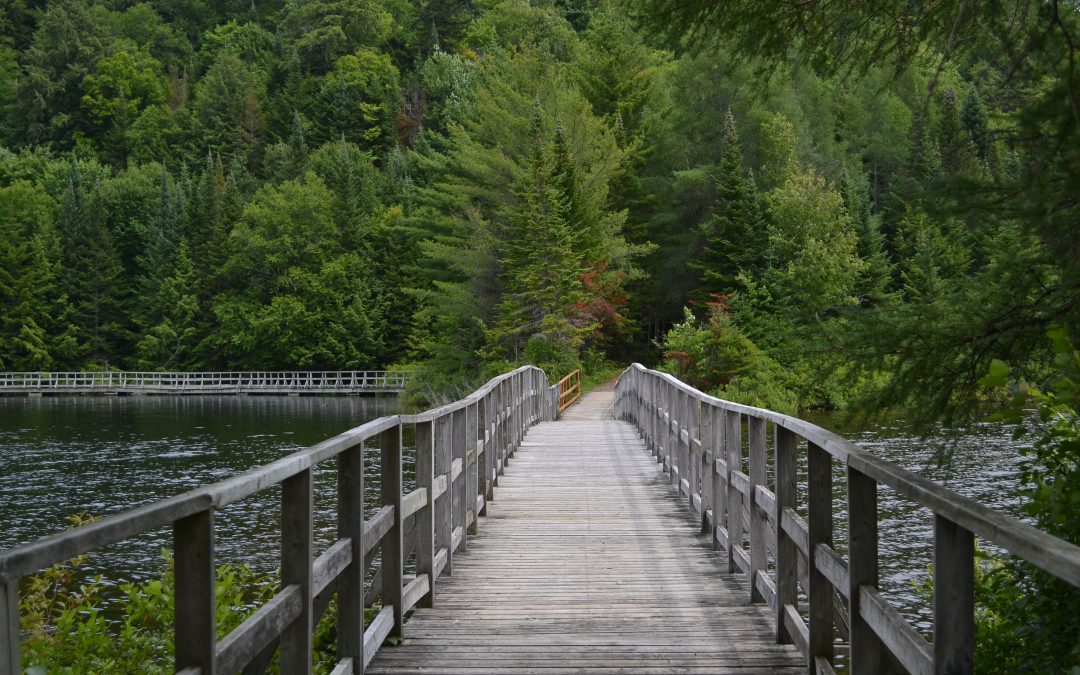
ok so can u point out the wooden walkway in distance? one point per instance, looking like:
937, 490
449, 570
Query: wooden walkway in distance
587, 562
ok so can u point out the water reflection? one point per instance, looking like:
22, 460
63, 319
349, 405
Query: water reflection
980, 461
64, 455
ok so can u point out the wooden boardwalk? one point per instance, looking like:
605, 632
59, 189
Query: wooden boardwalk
587, 562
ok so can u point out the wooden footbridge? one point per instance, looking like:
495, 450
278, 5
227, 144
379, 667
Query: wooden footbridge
229, 382
652, 529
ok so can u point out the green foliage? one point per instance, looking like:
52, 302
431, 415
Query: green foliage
716, 357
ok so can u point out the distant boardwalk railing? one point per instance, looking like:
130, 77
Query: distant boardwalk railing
458, 451
253, 382
747, 496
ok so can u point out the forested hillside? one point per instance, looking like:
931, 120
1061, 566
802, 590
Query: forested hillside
462, 185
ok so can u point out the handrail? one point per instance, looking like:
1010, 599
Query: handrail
461, 450
698, 438
117, 381
569, 389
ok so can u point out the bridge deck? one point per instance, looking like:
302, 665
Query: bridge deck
588, 563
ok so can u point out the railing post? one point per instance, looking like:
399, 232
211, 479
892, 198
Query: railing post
868, 654
820, 525
759, 520
390, 489
472, 467
733, 443
296, 561
425, 519
483, 472
350, 605
443, 520
460, 499
719, 477
193, 568
954, 598
708, 467
9, 626
786, 552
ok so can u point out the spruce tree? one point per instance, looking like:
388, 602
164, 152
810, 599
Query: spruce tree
27, 277
734, 239
91, 276
975, 120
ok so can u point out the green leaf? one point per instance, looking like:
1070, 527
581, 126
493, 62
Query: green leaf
998, 375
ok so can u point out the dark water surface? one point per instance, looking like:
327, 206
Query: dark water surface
104, 454
101, 455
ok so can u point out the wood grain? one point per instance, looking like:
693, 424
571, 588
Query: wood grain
588, 562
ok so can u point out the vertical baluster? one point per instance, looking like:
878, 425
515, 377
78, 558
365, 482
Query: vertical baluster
867, 651
425, 519
9, 626
720, 478
786, 551
693, 461
708, 453
954, 598
819, 515
759, 521
193, 569
296, 525
471, 466
350, 605
483, 472
460, 502
392, 544
733, 443
444, 526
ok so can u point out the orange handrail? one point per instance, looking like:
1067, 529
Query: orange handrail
569, 389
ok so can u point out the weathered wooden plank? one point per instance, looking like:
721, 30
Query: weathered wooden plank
381, 626
9, 626
194, 575
832, 567
343, 667
954, 598
351, 527
867, 652
819, 531
903, 641
259, 630
390, 485
581, 570
297, 522
376, 527
425, 524
414, 590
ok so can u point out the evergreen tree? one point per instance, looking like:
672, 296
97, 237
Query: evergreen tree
91, 276
975, 119
27, 277
541, 262
168, 337
734, 239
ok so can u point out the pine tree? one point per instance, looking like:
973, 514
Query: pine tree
27, 277
91, 276
169, 335
734, 238
541, 265
975, 120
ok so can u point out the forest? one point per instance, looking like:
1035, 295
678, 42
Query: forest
458, 187
797, 205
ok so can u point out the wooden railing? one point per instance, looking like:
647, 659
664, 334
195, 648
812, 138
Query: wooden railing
699, 440
254, 382
460, 448
569, 390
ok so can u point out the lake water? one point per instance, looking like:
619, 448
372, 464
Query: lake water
65, 455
